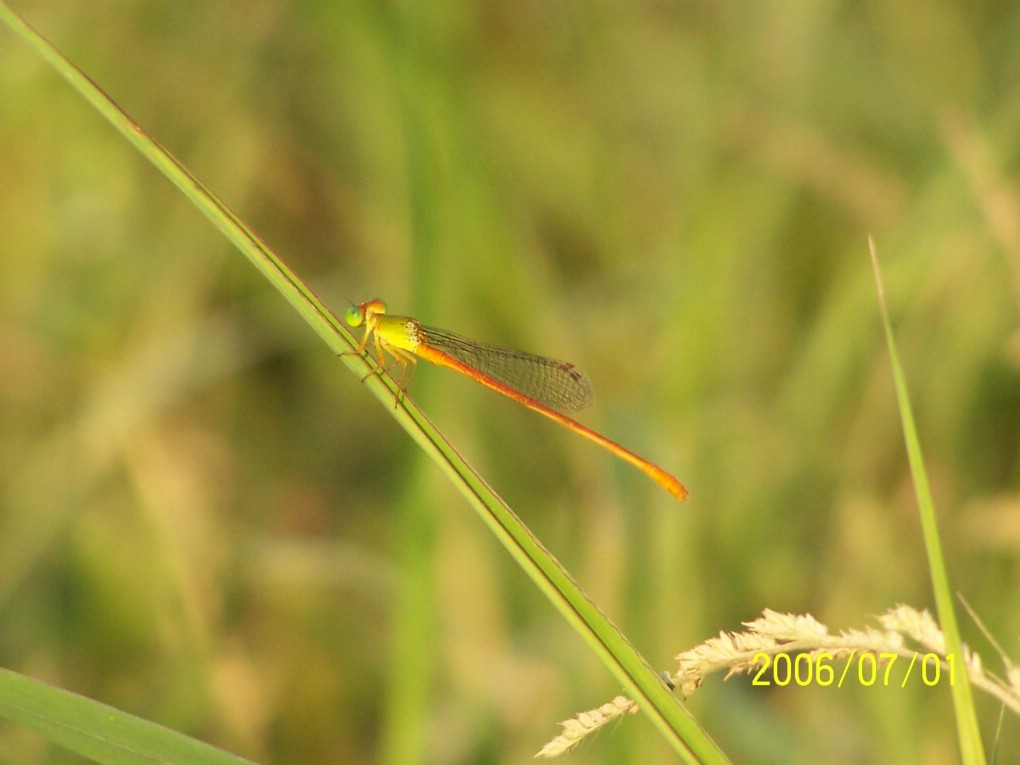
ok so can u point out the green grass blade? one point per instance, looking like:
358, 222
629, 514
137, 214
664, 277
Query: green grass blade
292, 288
637, 677
98, 731
968, 730
630, 668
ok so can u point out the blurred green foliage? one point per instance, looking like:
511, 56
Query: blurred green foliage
204, 520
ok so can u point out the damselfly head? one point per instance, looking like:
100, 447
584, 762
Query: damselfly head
359, 314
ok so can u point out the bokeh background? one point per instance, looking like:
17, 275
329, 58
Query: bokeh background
207, 521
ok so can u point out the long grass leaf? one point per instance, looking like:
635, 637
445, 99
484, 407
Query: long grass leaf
98, 731
968, 731
637, 677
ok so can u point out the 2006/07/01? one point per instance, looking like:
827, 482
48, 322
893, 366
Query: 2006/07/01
807, 668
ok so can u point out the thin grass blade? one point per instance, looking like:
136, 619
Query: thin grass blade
98, 731
626, 664
968, 731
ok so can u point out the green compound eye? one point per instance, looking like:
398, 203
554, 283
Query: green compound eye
354, 316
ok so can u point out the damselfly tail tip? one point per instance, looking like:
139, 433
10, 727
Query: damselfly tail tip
669, 483
678, 490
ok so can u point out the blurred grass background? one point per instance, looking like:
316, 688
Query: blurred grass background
207, 521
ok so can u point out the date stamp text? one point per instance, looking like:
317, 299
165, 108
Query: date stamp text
865, 668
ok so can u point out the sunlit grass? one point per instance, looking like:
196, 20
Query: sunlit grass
79, 731
207, 522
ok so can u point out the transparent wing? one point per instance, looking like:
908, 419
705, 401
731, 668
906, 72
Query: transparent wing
558, 385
